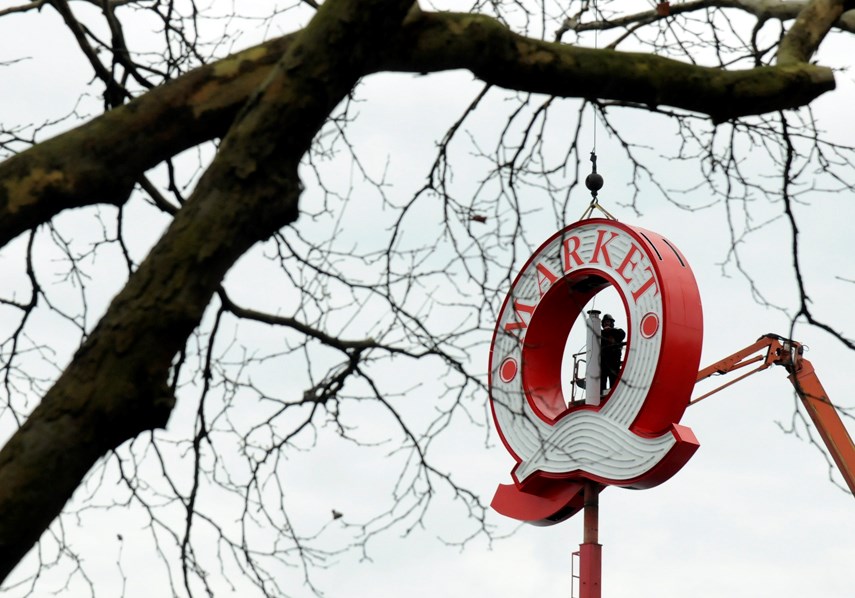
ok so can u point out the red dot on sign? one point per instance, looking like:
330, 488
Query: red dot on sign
649, 325
508, 370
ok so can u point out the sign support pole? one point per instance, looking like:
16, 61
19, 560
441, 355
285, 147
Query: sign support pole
593, 371
591, 551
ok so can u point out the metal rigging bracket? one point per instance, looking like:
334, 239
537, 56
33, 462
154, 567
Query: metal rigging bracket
594, 182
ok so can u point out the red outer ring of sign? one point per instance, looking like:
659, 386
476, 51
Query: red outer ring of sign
681, 329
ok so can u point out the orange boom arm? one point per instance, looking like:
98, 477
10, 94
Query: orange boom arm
788, 353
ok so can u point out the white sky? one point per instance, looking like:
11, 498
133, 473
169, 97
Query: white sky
752, 514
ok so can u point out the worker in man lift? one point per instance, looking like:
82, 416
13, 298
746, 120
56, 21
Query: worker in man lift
611, 345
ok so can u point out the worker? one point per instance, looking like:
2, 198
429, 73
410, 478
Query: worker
611, 340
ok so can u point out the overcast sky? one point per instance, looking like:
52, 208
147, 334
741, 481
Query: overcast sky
752, 514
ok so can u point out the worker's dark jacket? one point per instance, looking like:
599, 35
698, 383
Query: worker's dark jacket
611, 342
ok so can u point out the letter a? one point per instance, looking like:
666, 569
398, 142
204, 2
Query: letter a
545, 278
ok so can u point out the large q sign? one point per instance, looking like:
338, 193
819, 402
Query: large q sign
633, 437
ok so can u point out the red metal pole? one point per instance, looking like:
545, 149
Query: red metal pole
591, 552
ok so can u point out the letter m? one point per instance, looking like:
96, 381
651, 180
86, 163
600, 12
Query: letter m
521, 323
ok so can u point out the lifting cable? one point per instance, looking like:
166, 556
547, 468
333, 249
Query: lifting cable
594, 181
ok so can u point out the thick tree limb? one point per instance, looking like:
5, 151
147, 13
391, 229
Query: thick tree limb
812, 25
99, 161
448, 41
115, 386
